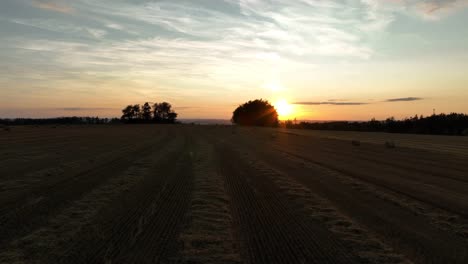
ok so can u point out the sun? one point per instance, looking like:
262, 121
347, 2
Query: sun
284, 109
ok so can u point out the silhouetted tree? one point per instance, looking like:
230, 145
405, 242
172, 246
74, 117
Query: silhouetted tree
127, 113
163, 113
136, 111
255, 113
146, 112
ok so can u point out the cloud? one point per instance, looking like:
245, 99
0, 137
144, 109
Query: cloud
185, 107
74, 109
404, 99
344, 102
279, 27
435, 9
330, 103
199, 45
381, 13
208, 48
62, 27
55, 6
426, 9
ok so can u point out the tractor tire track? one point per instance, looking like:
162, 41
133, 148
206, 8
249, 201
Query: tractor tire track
398, 227
46, 244
208, 236
270, 231
142, 227
32, 210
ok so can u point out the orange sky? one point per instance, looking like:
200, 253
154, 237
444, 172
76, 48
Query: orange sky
329, 60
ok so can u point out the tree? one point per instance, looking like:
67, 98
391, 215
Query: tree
160, 113
163, 113
146, 112
127, 113
255, 113
136, 112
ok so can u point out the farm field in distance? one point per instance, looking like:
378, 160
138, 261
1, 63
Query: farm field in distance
224, 194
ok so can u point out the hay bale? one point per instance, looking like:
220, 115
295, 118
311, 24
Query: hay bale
390, 144
356, 143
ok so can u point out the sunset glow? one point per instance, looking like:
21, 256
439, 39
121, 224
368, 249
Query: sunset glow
284, 109
333, 60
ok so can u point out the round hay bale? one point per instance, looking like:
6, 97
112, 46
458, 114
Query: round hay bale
390, 144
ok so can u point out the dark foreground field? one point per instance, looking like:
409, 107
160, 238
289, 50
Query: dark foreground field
208, 194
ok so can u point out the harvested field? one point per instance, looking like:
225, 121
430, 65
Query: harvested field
207, 194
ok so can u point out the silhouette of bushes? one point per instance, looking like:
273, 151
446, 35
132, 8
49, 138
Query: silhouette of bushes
255, 113
59, 121
442, 124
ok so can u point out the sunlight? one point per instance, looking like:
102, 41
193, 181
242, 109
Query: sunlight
284, 109
273, 86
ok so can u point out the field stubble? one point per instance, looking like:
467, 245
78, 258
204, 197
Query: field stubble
206, 194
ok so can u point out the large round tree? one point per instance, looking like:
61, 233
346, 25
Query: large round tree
255, 113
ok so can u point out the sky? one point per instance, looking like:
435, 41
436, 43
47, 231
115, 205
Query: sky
325, 60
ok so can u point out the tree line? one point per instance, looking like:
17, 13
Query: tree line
441, 124
262, 113
160, 113
73, 120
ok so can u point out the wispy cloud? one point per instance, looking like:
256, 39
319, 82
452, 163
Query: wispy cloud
211, 49
56, 6
329, 103
202, 44
76, 109
435, 9
404, 99
345, 102
62, 27
208, 44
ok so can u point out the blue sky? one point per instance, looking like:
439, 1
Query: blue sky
334, 59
